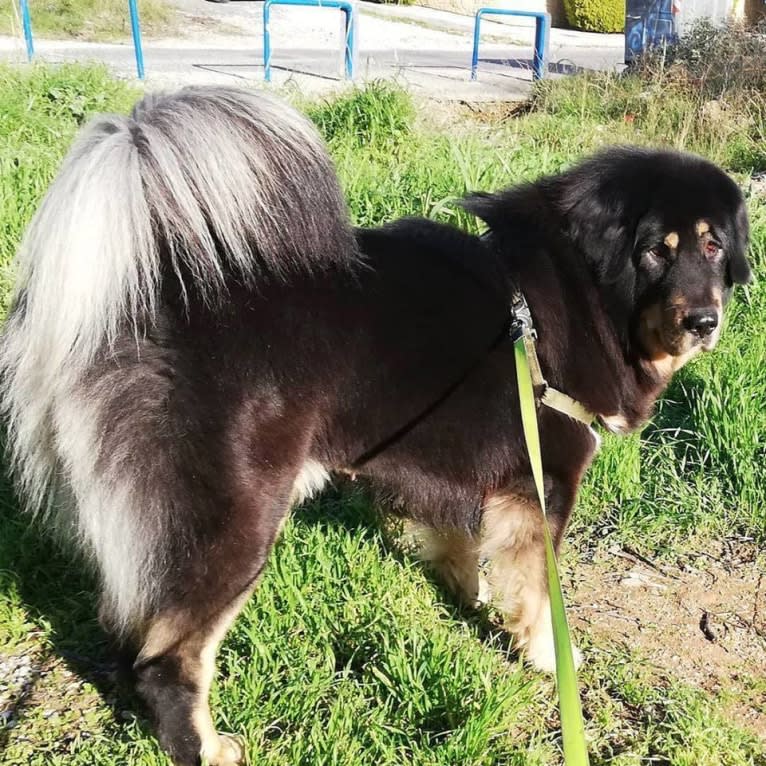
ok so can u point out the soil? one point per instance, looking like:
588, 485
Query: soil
701, 618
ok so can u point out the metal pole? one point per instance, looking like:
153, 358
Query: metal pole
26, 23
350, 42
475, 56
266, 42
540, 63
135, 26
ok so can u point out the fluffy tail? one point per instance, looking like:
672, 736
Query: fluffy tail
197, 186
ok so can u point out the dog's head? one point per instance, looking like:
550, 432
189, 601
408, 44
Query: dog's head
666, 235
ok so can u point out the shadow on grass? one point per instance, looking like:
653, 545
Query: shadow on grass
59, 596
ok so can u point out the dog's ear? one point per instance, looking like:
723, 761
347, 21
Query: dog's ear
604, 231
738, 269
484, 206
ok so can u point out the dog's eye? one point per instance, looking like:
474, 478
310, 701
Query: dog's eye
712, 249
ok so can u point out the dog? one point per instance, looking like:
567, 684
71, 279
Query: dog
199, 338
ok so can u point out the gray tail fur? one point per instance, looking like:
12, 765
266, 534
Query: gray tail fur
208, 181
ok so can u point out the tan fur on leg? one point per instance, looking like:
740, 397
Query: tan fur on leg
454, 556
218, 749
197, 652
512, 544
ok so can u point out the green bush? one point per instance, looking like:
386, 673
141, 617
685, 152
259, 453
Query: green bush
722, 61
596, 15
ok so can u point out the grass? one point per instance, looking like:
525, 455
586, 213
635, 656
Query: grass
349, 654
93, 20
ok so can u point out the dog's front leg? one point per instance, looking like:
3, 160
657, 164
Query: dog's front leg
512, 553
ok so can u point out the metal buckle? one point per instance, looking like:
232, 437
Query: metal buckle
521, 318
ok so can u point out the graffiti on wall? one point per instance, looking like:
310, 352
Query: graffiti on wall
649, 23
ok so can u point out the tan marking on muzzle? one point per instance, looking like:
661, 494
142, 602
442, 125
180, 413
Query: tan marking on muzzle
667, 365
671, 240
677, 308
702, 227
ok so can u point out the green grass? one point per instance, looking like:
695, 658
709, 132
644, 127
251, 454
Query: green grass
349, 654
97, 20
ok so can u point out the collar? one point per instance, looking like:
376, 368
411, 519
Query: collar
522, 326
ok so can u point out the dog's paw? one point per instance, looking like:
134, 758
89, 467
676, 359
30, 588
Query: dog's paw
231, 752
541, 655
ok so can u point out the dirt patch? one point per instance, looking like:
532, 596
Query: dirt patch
491, 113
701, 619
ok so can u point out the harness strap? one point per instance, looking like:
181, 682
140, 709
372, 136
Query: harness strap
523, 329
564, 403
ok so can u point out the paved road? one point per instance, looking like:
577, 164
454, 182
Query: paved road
427, 51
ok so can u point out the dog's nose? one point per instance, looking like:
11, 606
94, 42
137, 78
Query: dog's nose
701, 322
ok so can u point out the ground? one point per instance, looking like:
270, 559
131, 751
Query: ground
701, 617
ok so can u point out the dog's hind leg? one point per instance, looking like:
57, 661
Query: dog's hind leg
512, 550
176, 662
179, 499
233, 526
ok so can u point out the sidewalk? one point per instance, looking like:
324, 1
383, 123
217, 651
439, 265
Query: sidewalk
427, 51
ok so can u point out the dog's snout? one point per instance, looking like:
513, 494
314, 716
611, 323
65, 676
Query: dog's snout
701, 322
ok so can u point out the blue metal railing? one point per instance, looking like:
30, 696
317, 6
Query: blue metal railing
135, 27
346, 7
542, 29
26, 23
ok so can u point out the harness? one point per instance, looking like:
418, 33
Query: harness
521, 326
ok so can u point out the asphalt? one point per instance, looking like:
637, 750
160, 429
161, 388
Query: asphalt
427, 51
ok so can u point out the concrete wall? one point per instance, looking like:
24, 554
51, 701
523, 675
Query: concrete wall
720, 10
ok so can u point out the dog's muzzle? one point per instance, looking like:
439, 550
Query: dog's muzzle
701, 322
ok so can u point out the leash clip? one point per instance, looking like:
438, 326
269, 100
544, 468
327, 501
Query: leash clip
521, 318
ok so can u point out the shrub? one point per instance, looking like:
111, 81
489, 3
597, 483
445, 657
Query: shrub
378, 114
596, 15
719, 61
723, 70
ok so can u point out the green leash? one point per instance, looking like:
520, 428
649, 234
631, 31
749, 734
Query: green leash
572, 728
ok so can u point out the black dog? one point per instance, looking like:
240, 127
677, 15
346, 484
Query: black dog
198, 338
